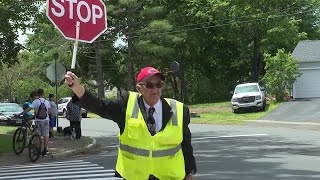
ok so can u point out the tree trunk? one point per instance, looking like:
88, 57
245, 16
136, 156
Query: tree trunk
100, 84
130, 59
256, 56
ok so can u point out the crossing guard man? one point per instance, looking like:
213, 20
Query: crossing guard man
155, 140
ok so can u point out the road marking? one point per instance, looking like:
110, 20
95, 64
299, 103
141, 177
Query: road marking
230, 136
57, 170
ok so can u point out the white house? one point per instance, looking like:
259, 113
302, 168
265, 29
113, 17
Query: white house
307, 53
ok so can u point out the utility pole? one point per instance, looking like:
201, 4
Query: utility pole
130, 59
55, 57
100, 84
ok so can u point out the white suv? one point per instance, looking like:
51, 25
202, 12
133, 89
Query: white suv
62, 107
248, 95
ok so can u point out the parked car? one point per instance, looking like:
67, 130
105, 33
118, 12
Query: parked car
7, 111
248, 95
62, 107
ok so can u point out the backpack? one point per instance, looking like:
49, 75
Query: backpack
42, 111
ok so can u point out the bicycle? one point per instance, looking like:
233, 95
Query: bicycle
27, 133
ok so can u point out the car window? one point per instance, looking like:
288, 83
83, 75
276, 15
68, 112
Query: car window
244, 89
10, 108
64, 100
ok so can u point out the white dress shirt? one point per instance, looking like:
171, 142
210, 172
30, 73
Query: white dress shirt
157, 114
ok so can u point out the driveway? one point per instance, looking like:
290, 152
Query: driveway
299, 110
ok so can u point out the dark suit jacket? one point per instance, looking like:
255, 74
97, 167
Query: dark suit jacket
116, 110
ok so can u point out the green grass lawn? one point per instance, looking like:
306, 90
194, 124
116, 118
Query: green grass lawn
221, 113
6, 134
6, 143
7, 129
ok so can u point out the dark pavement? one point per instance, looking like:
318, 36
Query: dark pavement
299, 110
59, 148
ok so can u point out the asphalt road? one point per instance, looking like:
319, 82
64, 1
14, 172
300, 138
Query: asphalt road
260, 151
256, 151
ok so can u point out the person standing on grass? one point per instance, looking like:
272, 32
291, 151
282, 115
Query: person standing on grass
54, 114
43, 123
155, 140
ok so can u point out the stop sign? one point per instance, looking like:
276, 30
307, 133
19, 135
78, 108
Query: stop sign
91, 14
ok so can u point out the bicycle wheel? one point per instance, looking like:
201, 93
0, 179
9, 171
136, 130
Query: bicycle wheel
34, 147
19, 140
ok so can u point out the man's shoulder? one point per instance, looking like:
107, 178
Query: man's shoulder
42, 99
52, 102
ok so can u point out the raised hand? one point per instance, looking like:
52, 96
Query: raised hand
73, 82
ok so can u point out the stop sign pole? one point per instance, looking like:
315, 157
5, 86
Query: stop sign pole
75, 46
69, 15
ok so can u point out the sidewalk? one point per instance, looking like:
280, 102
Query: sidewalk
58, 147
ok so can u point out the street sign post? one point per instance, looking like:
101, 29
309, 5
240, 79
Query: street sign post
55, 70
79, 20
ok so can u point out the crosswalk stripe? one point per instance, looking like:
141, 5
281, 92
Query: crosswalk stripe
54, 170
48, 167
44, 165
91, 176
57, 170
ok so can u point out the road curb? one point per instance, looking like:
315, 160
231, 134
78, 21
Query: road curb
75, 151
283, 122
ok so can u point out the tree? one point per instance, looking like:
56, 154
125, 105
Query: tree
222, 42
281, 72
226, 40
15, 15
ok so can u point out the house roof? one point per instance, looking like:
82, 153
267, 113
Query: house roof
307, 51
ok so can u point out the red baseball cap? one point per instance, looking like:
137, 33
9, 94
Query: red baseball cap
148, 72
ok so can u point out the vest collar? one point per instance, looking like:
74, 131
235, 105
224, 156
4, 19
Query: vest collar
166, 111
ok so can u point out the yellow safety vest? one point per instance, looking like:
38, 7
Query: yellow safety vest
140, 154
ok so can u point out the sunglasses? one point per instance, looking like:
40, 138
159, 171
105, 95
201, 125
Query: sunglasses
151, 85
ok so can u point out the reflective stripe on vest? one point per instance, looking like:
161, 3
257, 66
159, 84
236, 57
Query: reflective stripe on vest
174, 117
135, 110
174, 112
133, 150
166, 152
145, 153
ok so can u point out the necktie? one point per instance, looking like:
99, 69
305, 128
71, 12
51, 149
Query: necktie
151, 121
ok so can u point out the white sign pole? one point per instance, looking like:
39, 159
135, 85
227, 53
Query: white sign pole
75, 46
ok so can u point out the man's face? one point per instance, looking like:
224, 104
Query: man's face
151, 89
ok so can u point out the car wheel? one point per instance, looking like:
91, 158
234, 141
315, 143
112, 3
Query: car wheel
236, 111
65, 113
84, 115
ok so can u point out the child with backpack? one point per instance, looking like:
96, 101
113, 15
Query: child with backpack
42, 110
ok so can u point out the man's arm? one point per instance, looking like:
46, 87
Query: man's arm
187, 149
25, 111
109, 109
49, 109
106, 108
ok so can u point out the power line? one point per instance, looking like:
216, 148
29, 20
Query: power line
226, 19
151, 32
219, 25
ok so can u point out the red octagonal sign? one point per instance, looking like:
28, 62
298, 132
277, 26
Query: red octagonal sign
91, 14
